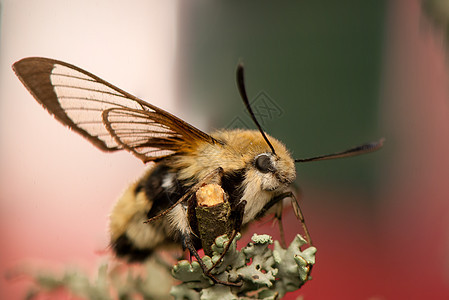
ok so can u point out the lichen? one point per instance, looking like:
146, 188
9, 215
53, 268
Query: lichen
264, 273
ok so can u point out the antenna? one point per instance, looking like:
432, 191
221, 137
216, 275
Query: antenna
362, 149
242, 90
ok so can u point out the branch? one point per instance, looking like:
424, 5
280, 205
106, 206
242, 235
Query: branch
212, 213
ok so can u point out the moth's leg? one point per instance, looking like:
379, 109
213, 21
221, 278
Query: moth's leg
189, 245
300, 216
237, 216
271, 203
278, 216
296, 210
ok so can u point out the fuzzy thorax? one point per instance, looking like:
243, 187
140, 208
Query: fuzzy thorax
237, 153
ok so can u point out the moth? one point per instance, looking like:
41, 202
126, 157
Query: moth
255, 169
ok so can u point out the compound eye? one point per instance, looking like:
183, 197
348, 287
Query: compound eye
263, 163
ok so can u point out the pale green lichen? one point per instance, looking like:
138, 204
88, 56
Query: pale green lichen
262, 239
264, 273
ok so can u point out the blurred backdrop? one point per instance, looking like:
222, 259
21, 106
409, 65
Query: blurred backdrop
322, 76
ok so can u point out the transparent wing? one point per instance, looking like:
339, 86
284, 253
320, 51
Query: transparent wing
141, 133
107, 116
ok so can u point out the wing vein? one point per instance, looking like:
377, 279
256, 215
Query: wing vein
89, 89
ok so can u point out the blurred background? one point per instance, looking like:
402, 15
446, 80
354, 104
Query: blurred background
322, 76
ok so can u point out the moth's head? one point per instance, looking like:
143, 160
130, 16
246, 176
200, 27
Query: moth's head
273, 170
247, 150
